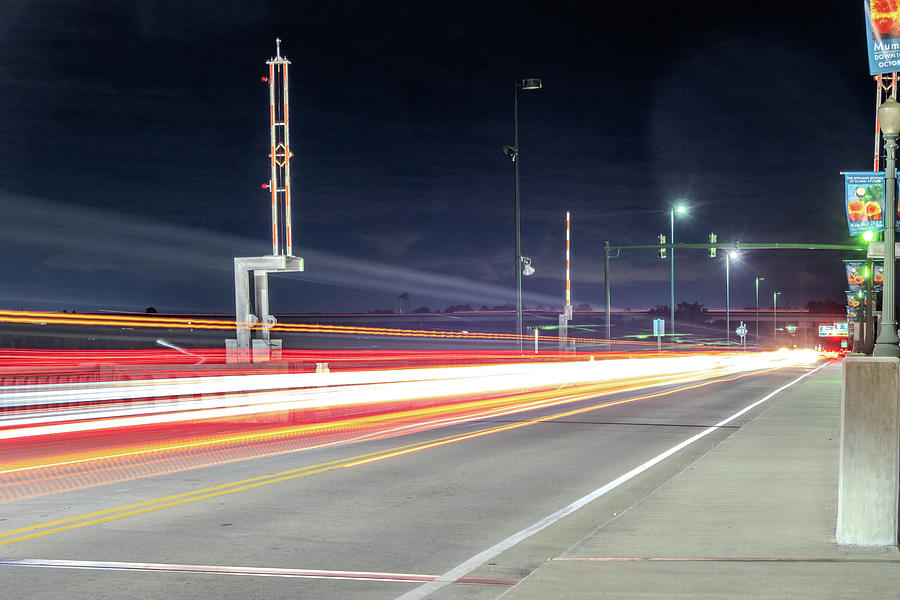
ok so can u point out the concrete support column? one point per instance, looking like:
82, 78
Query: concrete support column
261, 301
870, 452
242, 305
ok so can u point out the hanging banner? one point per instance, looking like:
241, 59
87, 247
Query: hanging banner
855, 306
883, 35
864, 201
857, 271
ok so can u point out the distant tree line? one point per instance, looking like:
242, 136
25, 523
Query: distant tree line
693, 312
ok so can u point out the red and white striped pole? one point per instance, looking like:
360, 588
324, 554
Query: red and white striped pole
568, 279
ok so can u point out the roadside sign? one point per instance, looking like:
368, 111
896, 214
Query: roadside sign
659, 328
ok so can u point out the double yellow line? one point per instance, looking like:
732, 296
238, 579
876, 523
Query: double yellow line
75, 522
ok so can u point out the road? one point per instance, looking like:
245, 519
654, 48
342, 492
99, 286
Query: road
379, 518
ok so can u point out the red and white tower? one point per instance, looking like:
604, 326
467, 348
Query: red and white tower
280, 153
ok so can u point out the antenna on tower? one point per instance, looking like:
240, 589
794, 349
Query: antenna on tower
280, 153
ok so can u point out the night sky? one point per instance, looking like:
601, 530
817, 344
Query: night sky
134, 137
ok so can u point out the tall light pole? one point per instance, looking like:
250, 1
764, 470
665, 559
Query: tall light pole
775, 317
513, 153
732, 254
889, 120
758, 279
680, 209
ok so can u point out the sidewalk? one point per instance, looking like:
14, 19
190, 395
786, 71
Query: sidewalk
754, 518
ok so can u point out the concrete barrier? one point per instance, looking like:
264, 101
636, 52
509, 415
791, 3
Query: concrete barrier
870, 452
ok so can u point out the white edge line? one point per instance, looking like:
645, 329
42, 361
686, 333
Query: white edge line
207, 569
482, 557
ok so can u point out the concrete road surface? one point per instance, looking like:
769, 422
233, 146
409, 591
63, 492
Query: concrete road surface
480, 505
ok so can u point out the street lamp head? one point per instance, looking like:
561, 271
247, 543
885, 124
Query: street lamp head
760, 278
681, 209
889, 117
527, 269
530, 84
733, 254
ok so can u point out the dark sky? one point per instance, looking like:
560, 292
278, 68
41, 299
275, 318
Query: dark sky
134, 137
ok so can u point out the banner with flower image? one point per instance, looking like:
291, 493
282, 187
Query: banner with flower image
883, 35
857, 271
864, 201
853, 304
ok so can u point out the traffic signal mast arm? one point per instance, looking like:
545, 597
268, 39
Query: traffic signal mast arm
745, 246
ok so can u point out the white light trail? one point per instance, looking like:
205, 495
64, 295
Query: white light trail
200, 398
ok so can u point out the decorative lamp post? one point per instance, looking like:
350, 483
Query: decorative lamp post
758, 279
513, 153
680, 209
889, 120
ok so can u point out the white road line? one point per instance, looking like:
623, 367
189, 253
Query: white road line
479, 559
99, 565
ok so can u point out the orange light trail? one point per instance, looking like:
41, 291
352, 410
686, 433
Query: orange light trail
46, 318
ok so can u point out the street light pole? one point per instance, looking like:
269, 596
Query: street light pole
758, 279
513, 153
728, 298
889, 120
775, 317
680, 209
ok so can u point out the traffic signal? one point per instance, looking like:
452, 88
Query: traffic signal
712, 249
662, 249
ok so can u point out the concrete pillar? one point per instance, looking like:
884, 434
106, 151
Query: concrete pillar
261, 291
870, 452
242, 305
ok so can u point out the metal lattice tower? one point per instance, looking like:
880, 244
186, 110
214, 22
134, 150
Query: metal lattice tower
280, 154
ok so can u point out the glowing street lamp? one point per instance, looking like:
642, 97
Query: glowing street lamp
889, 121
679, 209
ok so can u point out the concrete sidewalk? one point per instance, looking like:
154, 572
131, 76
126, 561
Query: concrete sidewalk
753, 518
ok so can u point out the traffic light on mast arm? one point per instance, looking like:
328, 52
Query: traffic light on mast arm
712, 249
662, 249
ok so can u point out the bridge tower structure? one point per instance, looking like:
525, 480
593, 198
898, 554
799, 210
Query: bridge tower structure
253, 341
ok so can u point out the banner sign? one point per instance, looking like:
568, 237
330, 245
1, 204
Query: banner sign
856, 271
864, 201
882, 36
853, 304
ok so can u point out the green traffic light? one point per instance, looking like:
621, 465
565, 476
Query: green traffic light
868, 235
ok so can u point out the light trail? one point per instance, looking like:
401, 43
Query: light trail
326, 416
148, 321
192, 399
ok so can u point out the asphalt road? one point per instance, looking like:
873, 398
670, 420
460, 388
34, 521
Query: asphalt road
393, 508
